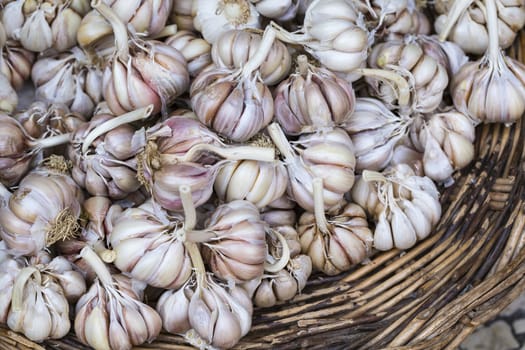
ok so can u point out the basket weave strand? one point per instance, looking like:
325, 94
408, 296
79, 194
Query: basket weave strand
430, 297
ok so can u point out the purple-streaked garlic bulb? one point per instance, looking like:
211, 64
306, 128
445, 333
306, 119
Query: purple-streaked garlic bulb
257, 182
195, 50
328, 154
465, 22
491, 89
235, 47
375, 131
44, 209
148, 244
233, 241
214, 17
446, 140
311, 99
41, 25
334, 34
141, 72
405, 207
338, 242
16, 63
146, 17
111, 314
39, 309
103, 153
427, 76
279, 10
68, 78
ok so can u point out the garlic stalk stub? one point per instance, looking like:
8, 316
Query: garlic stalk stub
491, 89
44, 209
334, 244
312, 98
110, 315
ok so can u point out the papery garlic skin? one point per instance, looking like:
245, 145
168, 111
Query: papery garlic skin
235, 109
311, 99
195, 50
236, 250
16, 63
213, 17
235, 47
44, 209
149, 246
258, 182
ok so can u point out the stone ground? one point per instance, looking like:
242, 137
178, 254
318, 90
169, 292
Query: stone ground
506, 332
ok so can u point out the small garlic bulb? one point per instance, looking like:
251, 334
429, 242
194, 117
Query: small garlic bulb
311, 99
428, 76
466, 23
41, 25
111, 315
16, 63
328, 154
234, 48
214, 17
39, 309
234, 245
44, 209
149, 246
336, 243
405, 207
257, 182
195, 50
375, 131
447, 142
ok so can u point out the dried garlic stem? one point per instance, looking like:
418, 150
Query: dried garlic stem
285, 255
49, 142
18, 288
403, 87
119, 28
260, 56
320, 217
281, 142
261, 154
138, 114
302, 65
107, 255
492, 24
458, 8
287, 37
94, 261
370, 175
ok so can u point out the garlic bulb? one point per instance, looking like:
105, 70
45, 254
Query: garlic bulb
69, 78
147, 17
311, 99
8, 96
220, 315
375, 131
334, 34
107, 166
233, 241
141, 72
447, 142
491, 89
181, 14
110, 315
328, 154
195, 50
428, 77
405, 207
277, 9
16, 63
41, 25
148, 244
334, 244
44, 209
257, 182
234, 48
39, 309
466, 23
214, 17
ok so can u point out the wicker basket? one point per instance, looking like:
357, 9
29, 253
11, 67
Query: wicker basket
430, 297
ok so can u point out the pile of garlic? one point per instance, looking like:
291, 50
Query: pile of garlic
186, 160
